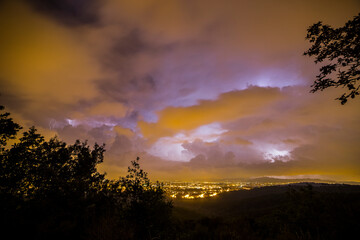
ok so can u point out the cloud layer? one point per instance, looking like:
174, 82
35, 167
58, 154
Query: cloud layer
197, 89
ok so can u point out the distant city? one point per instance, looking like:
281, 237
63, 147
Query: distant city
193, 190
198, 189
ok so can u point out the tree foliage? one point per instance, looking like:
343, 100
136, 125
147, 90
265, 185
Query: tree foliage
340, 49
34, 168
52, 190
8, 128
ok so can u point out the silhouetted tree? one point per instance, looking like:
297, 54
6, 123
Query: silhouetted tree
51, 190
340, 49
35, 168
139, 208
147, 208
8, 128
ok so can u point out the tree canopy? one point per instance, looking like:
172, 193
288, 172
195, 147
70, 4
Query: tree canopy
339, 48
8, 128
52, 190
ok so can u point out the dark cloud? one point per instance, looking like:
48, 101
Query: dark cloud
131, 44
94, 135
131, 91
122, 144
100, 134
70, 12
12, 100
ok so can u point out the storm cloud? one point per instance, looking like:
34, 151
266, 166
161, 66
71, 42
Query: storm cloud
195, 88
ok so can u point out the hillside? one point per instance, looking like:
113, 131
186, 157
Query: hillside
295, 211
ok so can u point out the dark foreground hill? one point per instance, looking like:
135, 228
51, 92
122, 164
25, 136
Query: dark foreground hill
296, 211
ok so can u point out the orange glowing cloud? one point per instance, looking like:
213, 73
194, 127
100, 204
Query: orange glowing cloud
229, 106
42, 60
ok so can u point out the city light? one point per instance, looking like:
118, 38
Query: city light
200, 190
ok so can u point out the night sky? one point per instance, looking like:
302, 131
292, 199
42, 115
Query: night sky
202, 89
